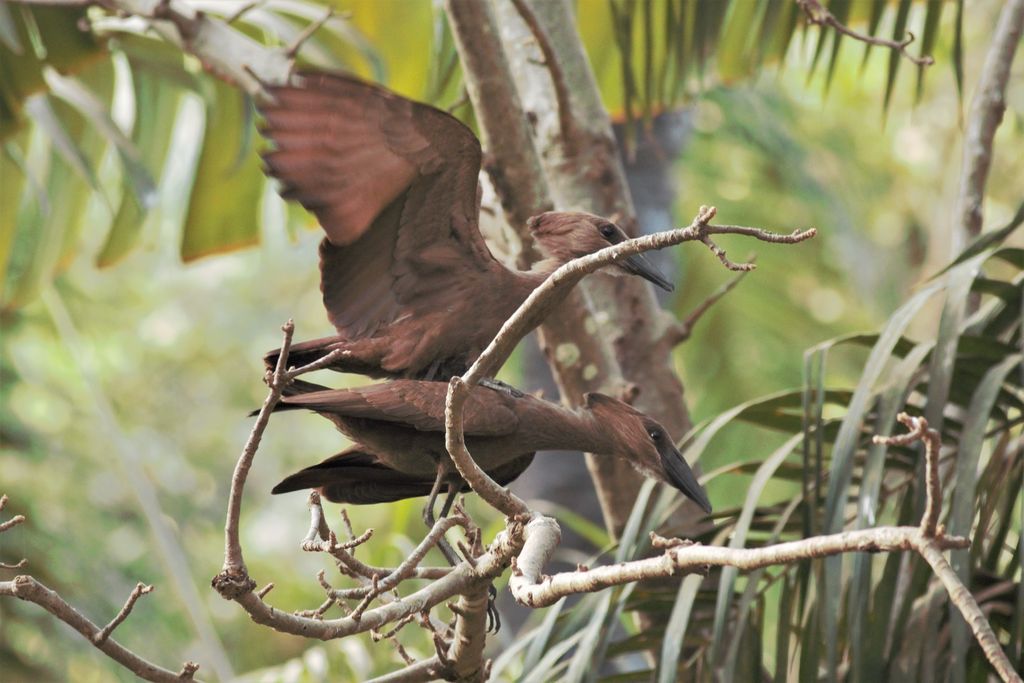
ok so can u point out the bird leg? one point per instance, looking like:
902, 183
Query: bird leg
428, 513
493, 618
502, 387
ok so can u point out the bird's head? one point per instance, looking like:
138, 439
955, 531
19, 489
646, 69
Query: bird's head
645, 444
565, 235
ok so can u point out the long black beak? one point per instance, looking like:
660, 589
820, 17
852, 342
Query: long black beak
681, 476
639, 264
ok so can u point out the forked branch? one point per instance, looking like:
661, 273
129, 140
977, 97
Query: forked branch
818, 15
542, 301
30, 590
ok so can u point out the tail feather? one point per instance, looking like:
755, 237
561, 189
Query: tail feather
362, 357
357, 477
296, 387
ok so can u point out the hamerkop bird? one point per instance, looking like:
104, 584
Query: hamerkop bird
407, 280
399, 426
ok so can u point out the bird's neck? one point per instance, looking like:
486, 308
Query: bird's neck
557, 428
547, 265
540, 270
523, 282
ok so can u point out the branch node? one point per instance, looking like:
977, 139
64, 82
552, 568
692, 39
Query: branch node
137, 592
662, 543
920, 431
232, 585
188, 670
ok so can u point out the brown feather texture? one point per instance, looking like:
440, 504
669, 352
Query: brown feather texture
407, 280
399, 429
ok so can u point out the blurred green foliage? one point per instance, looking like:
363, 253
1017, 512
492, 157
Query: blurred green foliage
174, 349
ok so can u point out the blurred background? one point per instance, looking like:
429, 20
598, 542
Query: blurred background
147, 265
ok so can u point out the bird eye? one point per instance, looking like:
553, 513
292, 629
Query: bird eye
654, 434
608, 231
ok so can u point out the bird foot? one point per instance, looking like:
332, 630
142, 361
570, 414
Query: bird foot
502, 387
493, 618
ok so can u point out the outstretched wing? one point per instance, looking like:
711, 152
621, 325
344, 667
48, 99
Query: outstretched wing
414, 404
394, 185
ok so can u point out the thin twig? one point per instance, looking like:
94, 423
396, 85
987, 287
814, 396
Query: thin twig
550, 292
28, 589
461, 101
307, 33
12, 522
318, 529
459, 580
348, 524
385, 580
537, 590
244, 9
536, 307
318, 364
137, 592
920, 431
677, 334
188, 670
319, 612
817, 14
377, 636
234, 564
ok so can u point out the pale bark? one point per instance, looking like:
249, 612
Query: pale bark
984, 118
583, 171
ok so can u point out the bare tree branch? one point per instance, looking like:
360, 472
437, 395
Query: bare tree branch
137, 592
680, 332
919, 431
13, 521
968, 606
234, 564
220, 49
540, 302
307, 33
817, 14
538, 590
30, 590
531, 587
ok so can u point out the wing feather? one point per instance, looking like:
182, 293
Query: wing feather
394, 185
414, 404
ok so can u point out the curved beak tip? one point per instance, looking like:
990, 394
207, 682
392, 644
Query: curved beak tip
682, 478
639, 264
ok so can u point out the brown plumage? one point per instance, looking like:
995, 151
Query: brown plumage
399, 428
407, 280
